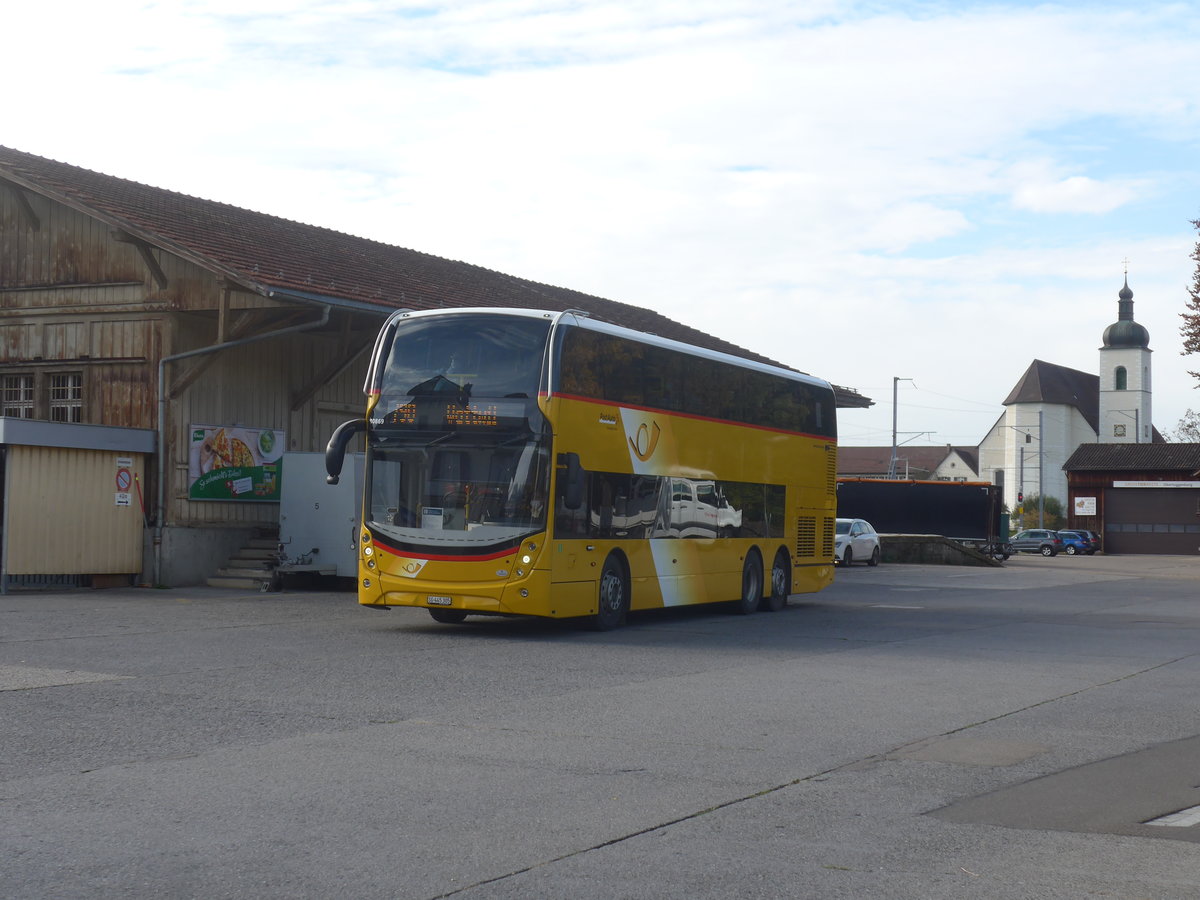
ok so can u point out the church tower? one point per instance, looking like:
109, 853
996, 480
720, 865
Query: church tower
1125, 378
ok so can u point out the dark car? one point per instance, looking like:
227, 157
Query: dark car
1077, 542
1092, 536
1038, 540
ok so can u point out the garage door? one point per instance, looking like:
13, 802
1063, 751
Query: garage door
1152, 520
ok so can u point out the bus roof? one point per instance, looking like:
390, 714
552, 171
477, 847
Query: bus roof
582, 319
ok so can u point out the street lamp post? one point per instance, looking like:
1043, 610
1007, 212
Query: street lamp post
1041, 484
1021, 466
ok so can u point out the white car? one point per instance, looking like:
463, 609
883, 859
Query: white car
855, 540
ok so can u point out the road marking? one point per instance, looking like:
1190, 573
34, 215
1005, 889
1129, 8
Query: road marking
23, 678
893, 606
1185, 818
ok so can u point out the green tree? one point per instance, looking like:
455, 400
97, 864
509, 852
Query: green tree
1190, 329
1053, 516
1188, 429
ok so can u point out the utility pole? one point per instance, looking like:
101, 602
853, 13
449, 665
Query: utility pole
895, 394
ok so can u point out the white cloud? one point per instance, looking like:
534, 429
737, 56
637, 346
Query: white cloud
862, 195
1077, 194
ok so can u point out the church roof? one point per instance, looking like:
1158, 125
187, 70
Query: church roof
1045, 382
1135, 457
273, 256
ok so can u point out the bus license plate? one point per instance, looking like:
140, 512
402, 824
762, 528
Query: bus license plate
438, 601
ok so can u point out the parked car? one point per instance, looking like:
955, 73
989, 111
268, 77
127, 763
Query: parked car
1037, 540
1076, 542
1095, 538
855, 539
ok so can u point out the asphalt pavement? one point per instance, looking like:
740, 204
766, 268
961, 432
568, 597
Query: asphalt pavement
912, 732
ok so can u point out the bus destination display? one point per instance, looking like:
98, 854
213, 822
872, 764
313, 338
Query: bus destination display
482, 415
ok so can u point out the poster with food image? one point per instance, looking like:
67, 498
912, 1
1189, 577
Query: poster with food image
230, 462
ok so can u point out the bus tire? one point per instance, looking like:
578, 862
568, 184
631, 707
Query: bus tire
612, 602
752, 584
781, 582
448, 616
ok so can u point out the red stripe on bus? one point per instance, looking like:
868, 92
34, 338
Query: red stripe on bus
442, 558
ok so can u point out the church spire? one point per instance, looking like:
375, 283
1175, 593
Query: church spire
1125, 332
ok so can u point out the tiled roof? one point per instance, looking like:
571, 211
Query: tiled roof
1045, 382
1135, 457
916, 461
266, 252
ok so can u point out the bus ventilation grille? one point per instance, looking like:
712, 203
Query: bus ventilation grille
827, 540
831, 470
806, 537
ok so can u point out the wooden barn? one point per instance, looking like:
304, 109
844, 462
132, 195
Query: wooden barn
1140, 498
220, 332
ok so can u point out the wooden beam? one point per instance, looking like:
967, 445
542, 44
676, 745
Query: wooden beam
160, 277
223, 314
243, 327
31, 218
348, 351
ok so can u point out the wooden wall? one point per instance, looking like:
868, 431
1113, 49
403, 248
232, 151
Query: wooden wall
76, 295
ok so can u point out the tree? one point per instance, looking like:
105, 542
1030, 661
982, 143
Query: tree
1052, 513
1188, 429
1191, 320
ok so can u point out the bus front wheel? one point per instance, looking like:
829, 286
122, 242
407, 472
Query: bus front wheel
752, 584
781, 582
448, 616
613, 599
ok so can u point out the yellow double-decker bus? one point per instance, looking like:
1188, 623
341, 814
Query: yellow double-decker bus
534, 463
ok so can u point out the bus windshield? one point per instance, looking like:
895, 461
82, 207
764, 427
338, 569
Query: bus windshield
459, 451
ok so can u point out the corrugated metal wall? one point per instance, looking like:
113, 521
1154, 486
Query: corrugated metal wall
62, 513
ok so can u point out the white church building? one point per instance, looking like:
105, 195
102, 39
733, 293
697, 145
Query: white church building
1053, 409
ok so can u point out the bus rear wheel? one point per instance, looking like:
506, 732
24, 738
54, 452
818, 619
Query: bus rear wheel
448, 616
781, 582
613, 600
752, 584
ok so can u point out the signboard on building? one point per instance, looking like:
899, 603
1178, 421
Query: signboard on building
1156, 484
1085, 506
235, 463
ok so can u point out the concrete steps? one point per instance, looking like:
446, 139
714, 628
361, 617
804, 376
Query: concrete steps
250, 568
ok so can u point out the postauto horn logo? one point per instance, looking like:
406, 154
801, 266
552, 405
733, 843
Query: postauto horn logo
645, 440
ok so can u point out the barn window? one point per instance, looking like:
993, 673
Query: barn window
66, 397
18, 396
1122, 378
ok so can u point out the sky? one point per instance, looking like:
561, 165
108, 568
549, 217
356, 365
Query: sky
910, 199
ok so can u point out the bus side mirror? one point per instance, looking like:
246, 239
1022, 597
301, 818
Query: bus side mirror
335, 450
572, 488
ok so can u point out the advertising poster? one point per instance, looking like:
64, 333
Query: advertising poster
235, 463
